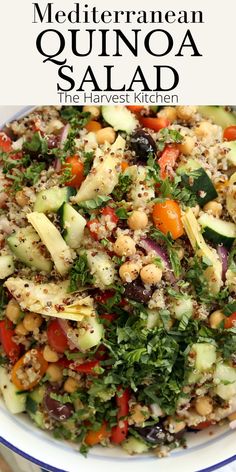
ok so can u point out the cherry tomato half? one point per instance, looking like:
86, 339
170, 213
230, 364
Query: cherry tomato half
77, 171
230, 133
33, 367
57, 339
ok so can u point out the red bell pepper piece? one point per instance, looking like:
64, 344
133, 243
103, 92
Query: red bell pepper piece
168, 159
119, 432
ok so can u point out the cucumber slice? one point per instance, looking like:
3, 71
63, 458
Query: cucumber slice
219, 115
218, 231
225, 378
6, 266
50, 200
231, 156
120, 118
183, 306
90, 333
134, 445
205, 356
24, 244
195, 178
102, 267
14, 401
54, 242
73, 225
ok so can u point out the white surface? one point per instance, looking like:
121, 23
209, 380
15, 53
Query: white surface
20, 432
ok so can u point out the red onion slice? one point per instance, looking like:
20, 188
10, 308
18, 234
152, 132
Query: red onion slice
149, 245
57, 165
63, 135
223, 255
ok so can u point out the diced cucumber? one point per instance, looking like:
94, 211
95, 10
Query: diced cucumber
194, 377
73, 225
195, 178
37, 395
120, 118
38, 418
101, 267
153, 319
6, 266
218, 114
15, 401
205, 356
53, 241
225, 378
90, 333
218, 231
24, 244
51, 199
134, 445
231, 156
182, 306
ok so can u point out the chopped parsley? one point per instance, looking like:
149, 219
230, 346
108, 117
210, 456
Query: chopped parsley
37, 144
122, 188
88, 162
80, 275
168, 136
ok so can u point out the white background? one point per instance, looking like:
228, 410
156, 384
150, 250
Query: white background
203, 80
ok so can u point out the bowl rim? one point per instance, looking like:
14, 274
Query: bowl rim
50, 468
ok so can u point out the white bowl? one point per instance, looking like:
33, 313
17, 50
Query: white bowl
207, 450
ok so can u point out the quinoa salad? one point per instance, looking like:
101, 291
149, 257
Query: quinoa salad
118, 273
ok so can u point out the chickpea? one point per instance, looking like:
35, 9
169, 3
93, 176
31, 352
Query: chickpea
93, 110
138, 220
175, 425
21, 199
124, 246
129, 271
151, 274
186, 113
203, 406
54, 373
13, 310
32, 321
105, 135
20, 330
50, 355
215, 318
187, 146
204, 129
213, 208
70, 385
169, 113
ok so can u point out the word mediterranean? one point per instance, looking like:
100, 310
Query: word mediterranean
83, 14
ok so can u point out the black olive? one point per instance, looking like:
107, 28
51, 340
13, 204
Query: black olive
136, 291
142, 144
53, 141
57, 410
155, 434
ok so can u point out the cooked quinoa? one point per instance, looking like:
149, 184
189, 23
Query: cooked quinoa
118, 272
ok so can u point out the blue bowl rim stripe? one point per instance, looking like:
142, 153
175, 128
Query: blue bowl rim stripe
51, 468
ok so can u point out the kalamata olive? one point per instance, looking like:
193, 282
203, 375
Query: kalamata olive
136, 291
57, 410
155, 434
142, 144
53, 141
